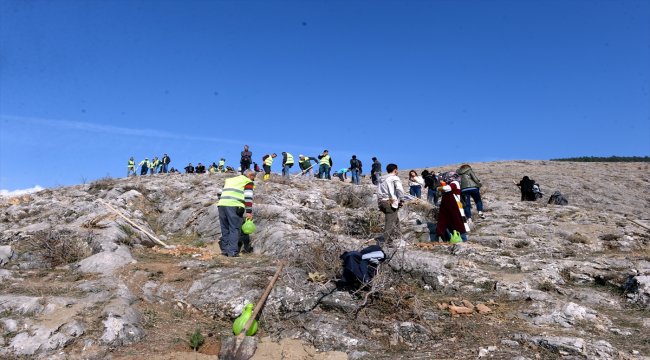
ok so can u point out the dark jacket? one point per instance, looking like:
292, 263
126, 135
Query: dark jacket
246, 157
376, 167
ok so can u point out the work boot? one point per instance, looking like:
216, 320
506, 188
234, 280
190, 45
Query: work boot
481, 215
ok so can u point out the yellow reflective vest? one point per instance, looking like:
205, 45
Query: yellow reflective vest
325, 160
289, 159
268, 161
131, 164
233, 191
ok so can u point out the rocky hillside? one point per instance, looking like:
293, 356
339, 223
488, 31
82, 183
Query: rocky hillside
534, 281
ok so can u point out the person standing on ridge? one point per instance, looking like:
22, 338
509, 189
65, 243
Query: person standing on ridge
222, 165
431, 184
165, 163
470, 187
287, 163
450, 215
246, 159
325, 165
267, 161
144, 166
375, 171
389, 195
355, 169
235, 203
130, 167
153, 165
415, 184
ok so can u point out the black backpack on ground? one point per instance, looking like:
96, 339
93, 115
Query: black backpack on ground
359, 267
558, 199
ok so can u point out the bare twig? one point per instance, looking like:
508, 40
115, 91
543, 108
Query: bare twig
153, 237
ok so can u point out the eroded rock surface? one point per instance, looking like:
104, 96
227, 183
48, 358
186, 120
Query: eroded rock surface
534, 281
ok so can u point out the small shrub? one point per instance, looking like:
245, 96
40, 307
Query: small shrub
196, 339
150, 318
129, 234
105, 183
59, 247
323, 257
546, 286
610, 237
522, 244
565, 273
577, 238
352, 197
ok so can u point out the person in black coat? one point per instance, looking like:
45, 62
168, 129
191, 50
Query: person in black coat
526, 187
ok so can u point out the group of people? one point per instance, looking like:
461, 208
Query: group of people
454, 216
213, 169
323, 163
154, 166
235, 201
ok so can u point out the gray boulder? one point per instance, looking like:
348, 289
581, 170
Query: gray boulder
6, 254
107, 262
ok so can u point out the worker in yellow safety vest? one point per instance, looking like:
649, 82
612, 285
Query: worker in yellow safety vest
287, 163
130, 167
235, 202
325, 164
267, 162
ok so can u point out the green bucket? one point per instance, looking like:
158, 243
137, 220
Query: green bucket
248, 227
455, 237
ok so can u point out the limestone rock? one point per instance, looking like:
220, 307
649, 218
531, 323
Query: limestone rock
6, 254
106, 262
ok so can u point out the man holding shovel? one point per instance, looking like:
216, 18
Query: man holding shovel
236, 200
305, 165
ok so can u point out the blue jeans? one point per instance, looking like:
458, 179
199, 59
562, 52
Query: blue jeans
285, 170
467, 196
432, 196
324, 172
164, 168
230, 222
355, 176
416, 190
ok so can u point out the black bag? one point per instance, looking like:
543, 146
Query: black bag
558, 199
359, 267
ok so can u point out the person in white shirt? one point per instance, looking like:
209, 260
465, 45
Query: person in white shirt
389, 195
416, 182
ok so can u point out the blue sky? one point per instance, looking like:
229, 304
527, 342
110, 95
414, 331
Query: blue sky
84, 85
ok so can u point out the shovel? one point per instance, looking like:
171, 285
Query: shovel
242, 347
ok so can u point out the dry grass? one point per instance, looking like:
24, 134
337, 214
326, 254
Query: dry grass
59, 247
105, 183
577, 238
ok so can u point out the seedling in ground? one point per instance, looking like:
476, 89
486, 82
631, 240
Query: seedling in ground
196, 340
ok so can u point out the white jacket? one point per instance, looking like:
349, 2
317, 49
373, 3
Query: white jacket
390, 188
418, 181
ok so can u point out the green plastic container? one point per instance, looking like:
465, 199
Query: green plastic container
248, 227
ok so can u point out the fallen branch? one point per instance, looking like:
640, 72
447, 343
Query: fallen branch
153, 237
638, 223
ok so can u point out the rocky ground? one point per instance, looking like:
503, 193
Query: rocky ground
535, 281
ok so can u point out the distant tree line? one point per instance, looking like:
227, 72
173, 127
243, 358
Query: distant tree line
607, 159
